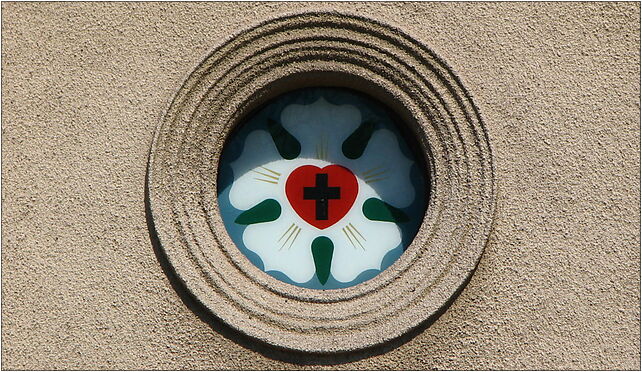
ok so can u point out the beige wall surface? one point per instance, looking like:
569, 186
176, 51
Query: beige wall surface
85, 85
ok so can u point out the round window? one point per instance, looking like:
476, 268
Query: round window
320, 188
258, 166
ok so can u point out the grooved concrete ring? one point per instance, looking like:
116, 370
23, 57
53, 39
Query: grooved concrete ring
322, 49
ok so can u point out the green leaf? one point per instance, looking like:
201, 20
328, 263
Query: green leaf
288, 146
354, 146
378, 210
322, 249
266, 211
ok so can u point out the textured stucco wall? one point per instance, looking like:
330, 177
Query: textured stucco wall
84, 87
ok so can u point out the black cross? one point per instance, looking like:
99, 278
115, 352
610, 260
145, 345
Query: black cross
321, 193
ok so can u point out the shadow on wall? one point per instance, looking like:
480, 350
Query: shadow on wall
272, 352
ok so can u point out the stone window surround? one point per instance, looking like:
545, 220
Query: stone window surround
322, 49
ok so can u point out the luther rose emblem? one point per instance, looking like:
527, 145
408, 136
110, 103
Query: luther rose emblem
320, 189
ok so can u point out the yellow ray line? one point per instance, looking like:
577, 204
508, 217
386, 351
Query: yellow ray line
372, 170
321, 153
355, 229
295, 236
348, 236
271, 171
266, 180
375, 180
376, 174
266, 175
324, 140
355, 237
288, 238
286, 231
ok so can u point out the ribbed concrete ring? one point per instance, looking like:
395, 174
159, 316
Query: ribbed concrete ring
322, 49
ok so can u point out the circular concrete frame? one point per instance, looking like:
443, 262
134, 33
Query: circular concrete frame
322, 49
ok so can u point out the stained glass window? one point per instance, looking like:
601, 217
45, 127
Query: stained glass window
321, 188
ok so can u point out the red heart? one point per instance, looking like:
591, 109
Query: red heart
321, 196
